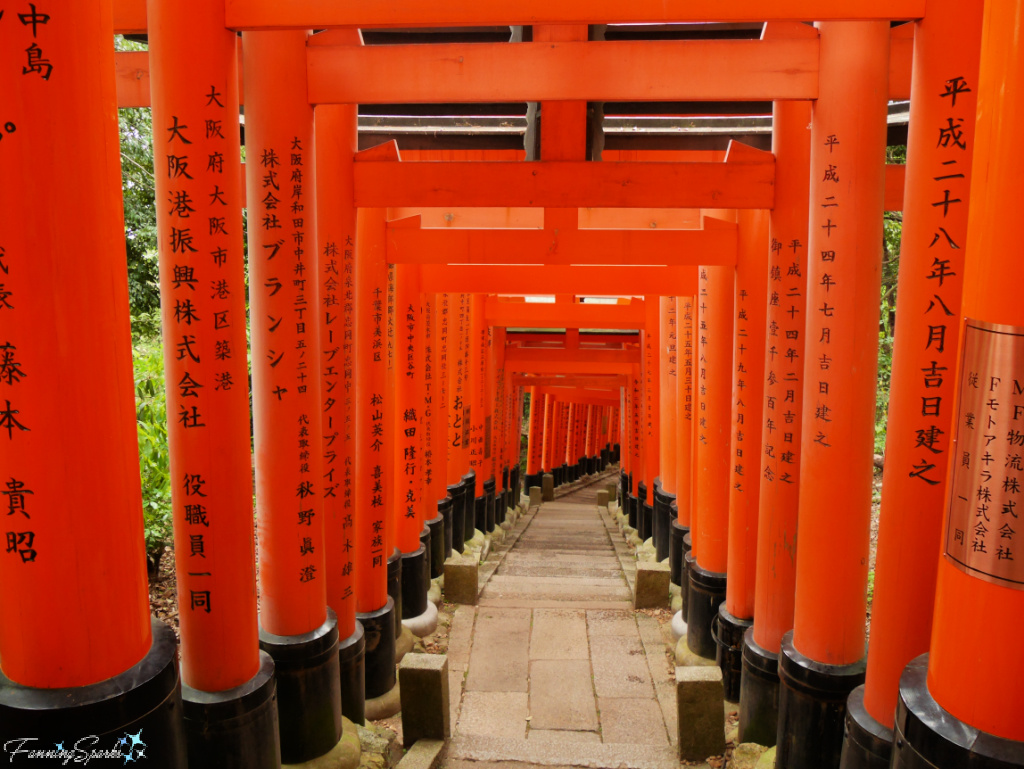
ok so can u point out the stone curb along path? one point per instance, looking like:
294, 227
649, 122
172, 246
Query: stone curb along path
553, 667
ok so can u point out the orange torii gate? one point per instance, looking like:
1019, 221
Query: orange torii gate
66, 81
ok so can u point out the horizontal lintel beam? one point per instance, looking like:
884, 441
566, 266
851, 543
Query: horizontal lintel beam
566, 184
756, 70
529, 315
317, 14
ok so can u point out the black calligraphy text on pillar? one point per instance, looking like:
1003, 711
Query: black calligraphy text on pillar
786, 306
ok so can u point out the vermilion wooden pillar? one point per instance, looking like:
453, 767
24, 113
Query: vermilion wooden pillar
823, 658
336, 144
637, 490
710, 517
784, 345
476, 376
296, 626
460, 412
433, 425
376, 608
668, 319
736, 613
651, 357
411, 538
921, 419
680, 540
535, 440
971, 676
452, 354
73, 570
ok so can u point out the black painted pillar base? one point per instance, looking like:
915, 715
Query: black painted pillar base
624, 489
437, 544
633, 511
646, 521
489, 485
662, 522
616, 453
927, 735
415, 582
729, 639
454, 521
688, 561
352, 660
395, 586
676, 553
144, 700
642, 522
867, 744
759, 693
706, 593
469, 522
236, 728
480, 513
308, 690
812, 708
378, 627
533, 479
605, 457
582, 464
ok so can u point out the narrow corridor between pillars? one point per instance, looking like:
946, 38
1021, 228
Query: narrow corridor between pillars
553, 667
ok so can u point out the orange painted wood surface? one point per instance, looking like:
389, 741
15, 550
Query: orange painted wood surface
589, 281
563, 184
409, 244
517, 315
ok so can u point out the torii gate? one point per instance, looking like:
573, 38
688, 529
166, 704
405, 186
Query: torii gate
299, 91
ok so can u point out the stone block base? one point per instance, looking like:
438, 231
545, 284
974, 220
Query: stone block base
461, 574
425, 700
536, 496
547, 487
651, 590
602, 498
701, 717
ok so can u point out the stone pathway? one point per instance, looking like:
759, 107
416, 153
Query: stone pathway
553, 667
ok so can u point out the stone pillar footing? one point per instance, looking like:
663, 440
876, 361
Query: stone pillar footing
706, 591
812, 708
236, 728
867, 744
395, 586
759, 693
728, 636
424, 624
927, 735
676, 551
352, 660
415, 577
380, 650
146, 697
425, 700
547, 487
308, 690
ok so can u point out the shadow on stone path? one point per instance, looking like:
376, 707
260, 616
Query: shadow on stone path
553, 667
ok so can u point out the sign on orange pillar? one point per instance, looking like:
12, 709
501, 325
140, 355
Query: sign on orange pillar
407, 481
920, 419
534, 438
684, 410
198, 199
848, 135
549, 432
735, 614
280, 185
979, 579
668, 317
710, 518
785, 339
336, 222
73, 569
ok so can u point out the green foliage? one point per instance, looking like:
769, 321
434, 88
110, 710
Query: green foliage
138, 190
154, 457
892, 233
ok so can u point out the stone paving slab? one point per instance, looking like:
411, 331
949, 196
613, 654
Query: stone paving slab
577, 754
561, 736
534, 603
620, 667
559, 634
494, 714
558, 569
499, 661
611, 623
632, 721
558, 592
562, 695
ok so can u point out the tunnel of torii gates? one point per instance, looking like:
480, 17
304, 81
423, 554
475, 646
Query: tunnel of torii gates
730, 369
